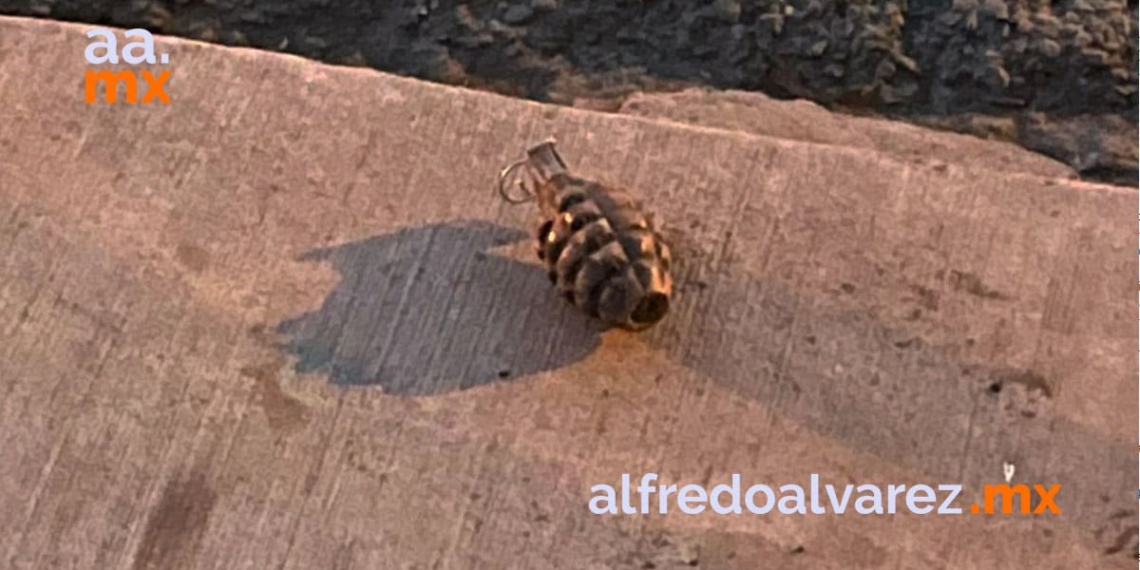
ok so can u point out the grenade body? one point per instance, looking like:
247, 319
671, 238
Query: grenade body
600, 248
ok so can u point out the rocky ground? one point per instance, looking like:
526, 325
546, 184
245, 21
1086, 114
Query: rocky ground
1056, 76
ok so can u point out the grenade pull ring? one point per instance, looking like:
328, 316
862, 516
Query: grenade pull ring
541, 164
511, 174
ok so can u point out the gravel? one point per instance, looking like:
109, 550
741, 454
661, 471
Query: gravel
1053, 67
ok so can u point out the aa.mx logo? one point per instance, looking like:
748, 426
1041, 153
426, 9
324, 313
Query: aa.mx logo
104, 50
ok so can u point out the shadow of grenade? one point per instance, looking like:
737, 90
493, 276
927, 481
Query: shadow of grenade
601, 249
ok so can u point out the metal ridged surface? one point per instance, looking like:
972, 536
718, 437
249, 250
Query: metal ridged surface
603, 254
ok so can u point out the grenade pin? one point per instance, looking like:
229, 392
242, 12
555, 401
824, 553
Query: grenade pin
541, 164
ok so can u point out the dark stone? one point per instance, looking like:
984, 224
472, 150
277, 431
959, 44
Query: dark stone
518, 14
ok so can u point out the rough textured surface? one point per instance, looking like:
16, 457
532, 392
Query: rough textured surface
1024, 62
805, 121
251, 329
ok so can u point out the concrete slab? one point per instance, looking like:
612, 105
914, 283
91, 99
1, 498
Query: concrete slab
283, 322
804, 120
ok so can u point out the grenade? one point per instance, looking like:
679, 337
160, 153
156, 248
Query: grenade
600, 248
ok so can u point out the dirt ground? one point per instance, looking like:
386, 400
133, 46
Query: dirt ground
1058, 77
